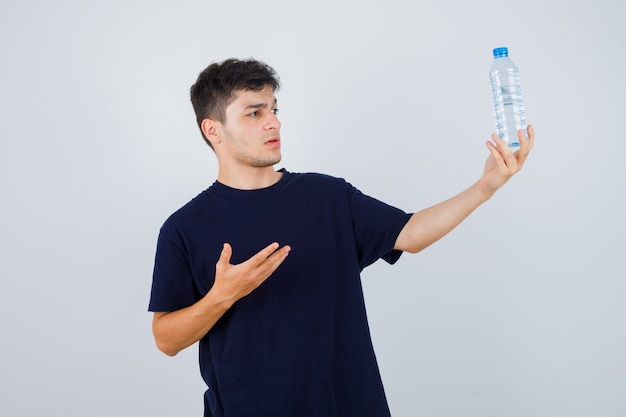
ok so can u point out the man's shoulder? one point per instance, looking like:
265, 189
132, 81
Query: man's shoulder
316, 185
318, 178
189, 210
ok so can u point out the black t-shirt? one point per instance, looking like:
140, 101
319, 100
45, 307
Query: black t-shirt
299, 345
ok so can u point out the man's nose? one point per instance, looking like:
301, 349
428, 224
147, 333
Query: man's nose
272, 122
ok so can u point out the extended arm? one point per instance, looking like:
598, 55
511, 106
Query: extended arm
431, 224
174, 331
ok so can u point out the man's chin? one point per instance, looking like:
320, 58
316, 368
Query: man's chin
268, 162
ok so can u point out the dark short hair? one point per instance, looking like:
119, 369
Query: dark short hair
215, 87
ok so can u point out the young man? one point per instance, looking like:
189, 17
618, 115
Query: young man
283, 329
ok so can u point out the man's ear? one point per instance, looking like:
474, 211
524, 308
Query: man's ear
210, 130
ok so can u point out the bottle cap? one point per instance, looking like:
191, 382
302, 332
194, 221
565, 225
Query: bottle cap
500, 52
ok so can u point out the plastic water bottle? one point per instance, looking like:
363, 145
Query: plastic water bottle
508, 103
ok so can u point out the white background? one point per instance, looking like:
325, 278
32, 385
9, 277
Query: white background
518, 312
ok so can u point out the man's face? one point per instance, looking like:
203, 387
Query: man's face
251, 131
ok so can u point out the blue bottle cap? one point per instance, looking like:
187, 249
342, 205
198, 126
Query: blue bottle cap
499, 52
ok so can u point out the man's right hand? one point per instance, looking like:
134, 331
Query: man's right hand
233, 282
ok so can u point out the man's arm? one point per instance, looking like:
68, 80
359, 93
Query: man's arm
176, 330
431, 224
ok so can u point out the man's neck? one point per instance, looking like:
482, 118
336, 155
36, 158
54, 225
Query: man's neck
249, 179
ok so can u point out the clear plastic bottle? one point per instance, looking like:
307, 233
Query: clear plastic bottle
508, 103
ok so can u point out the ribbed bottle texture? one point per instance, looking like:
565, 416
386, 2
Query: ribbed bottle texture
508, 103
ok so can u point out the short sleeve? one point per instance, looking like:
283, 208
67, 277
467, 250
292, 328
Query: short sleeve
377, 226
173, 285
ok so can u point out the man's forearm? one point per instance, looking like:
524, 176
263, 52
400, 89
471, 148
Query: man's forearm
429, 225
176, 330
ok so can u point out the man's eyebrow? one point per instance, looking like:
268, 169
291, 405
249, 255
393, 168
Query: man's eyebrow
259, 105
256, 106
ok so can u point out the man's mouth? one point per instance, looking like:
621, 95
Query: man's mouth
273, 141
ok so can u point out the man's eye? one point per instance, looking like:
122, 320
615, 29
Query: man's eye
254, 114
275, 111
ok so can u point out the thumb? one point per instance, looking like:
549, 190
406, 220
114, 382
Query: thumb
227, 252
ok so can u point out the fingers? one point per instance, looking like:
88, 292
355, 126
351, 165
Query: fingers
504, 156
234, 281
265, 252
268, 258
531, 135
278, 257
498, 147
526, 143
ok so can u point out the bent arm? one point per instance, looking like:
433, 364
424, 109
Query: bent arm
176, 330
429, 225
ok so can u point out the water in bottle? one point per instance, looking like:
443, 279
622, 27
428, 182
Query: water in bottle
508, 104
